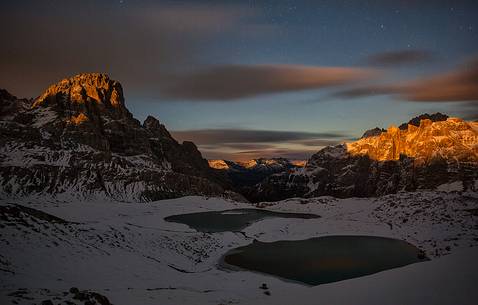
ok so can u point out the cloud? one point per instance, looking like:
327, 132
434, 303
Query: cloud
230, 82
244, 144
369, 90
291, 154
240, 146
401, 57
459, 85
228, 136
137, 44
150, 48
319, 142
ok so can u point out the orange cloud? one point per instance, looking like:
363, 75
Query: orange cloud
459, 85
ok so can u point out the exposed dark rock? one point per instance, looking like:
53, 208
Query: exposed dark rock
373, 132
436, 117
74, 290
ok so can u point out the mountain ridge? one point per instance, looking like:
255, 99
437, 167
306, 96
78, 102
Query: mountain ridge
419, 157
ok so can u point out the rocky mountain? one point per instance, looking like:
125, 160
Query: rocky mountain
418, 157
78, 138
248, 173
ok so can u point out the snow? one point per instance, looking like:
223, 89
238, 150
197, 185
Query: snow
450, 187
127, 252
44, 116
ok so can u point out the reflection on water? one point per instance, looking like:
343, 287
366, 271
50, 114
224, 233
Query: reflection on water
229, 220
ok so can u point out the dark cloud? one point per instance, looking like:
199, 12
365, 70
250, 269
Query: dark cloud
319, 142
240, 81
366, 91
150, 48
243, 144
291, 154
401, 57
139, 45
227, 136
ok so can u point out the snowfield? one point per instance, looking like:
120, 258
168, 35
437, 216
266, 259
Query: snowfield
128, 253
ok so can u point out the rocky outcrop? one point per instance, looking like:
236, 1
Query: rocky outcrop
372, 132
79, 139
419, 157
435, 117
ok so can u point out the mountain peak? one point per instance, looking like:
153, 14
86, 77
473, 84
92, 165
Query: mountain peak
156, 128
6, 96
82, 90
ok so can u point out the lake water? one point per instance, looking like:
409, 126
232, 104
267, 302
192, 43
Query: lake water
323, 260
230, 220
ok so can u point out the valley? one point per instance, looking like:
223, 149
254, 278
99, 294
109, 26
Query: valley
130, 254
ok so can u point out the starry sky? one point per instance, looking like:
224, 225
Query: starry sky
248, 79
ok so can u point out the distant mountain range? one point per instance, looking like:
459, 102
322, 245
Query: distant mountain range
243, 175
79, 140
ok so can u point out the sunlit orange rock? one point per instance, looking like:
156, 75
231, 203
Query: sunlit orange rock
218, 164
84, 91
77, 120
453, 139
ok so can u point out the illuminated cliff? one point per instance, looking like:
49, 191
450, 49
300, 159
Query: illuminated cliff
453, 139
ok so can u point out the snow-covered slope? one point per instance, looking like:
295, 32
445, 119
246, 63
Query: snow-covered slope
128, 253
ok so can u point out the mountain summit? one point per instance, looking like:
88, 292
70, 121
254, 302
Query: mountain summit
79, 139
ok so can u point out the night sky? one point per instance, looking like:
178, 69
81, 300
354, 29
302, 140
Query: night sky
244, 79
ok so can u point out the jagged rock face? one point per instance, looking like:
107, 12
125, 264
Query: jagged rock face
422, 157
78, 138
450, 139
